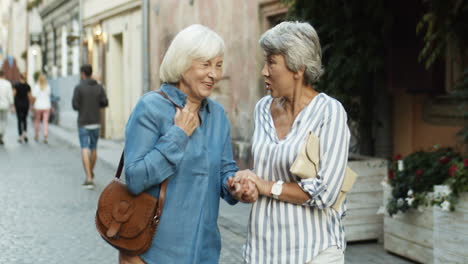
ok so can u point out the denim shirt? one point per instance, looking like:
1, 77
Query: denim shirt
198, 168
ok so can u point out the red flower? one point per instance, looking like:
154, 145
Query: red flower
452, 170
465, 162
444, 160
398, 157
419, 173
391, 175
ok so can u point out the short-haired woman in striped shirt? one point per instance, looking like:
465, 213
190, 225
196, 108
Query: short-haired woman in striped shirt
292, 220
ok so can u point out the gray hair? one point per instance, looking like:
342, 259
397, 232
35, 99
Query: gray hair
194, 42
300, 46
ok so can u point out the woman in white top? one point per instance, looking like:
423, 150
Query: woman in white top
41, 95
293, 220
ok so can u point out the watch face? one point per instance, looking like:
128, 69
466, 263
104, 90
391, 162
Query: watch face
276, 190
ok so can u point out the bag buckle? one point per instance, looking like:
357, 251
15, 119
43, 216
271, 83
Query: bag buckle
156, 219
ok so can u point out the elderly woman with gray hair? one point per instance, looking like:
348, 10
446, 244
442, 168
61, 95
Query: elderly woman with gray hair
293, 220
190, 145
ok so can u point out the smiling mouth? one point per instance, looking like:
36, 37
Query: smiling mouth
209, 85
267, 86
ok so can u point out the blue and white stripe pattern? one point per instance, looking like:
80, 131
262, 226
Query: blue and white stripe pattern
281, 232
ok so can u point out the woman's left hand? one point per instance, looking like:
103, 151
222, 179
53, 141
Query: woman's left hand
242, 188
262, 185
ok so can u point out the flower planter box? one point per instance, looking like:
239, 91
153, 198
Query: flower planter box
364, 199
451, 233
409, 234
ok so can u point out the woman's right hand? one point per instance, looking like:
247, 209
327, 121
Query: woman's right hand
186, 120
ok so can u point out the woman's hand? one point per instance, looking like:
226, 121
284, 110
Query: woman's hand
263, 186
186, 120
242, 188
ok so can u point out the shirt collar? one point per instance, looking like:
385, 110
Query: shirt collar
179, 98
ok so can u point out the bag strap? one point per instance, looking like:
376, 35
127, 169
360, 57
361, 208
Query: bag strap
162, 192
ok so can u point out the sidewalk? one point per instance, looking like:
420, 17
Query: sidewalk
109, 151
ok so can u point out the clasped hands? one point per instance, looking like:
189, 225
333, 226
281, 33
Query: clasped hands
246, 186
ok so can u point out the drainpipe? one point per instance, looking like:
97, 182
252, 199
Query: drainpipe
145, 51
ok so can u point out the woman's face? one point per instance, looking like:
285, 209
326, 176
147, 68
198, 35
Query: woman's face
279, 80
200, 78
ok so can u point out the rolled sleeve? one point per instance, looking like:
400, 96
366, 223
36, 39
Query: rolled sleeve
334, 141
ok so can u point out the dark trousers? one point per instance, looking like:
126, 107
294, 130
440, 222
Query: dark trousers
22, 114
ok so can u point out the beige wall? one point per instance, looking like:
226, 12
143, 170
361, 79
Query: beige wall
17, 33
123, 69
116, 57
4, 21
411, 133
95, 10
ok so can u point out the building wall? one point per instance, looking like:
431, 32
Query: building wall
411, 133
123, 69
4, 22
17, 33
116, 57
94, 9
59, 20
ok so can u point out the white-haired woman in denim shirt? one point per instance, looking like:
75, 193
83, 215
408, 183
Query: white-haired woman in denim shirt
190, 145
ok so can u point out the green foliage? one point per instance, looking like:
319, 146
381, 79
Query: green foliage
352, 35
413, 186
444, 22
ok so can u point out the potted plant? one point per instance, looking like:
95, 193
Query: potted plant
409, 196
451, 214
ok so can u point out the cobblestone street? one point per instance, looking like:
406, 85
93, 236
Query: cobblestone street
48, 218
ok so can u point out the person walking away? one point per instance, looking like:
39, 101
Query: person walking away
88, 98
23, 98
41, 95
6, 101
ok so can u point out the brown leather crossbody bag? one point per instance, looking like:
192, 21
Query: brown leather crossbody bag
125, 221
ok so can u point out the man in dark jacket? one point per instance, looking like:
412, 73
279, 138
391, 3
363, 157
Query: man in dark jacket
88, 98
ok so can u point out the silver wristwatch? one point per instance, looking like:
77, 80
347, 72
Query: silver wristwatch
277, 189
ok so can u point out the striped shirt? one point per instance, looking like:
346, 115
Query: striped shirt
281, 232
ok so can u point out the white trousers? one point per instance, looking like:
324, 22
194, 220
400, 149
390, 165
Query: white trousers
331, 255
3, 120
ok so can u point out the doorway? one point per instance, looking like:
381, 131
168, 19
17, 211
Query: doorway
115, 88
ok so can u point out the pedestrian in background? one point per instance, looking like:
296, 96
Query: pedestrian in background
6, 102
23, 98
41, 96
88, 98
190, 145
293, 220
